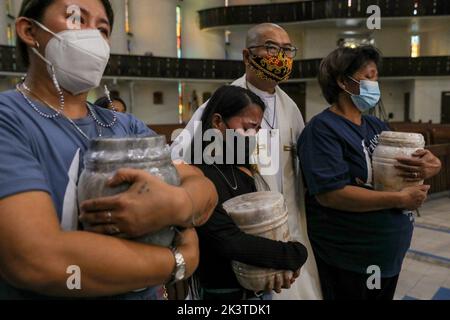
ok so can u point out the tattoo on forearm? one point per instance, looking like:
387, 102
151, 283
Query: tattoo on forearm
144, 189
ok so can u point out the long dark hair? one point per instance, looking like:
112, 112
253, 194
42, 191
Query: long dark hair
228, 102
35, 9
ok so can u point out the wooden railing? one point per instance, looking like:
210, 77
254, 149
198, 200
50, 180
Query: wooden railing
130, 66
437, 137
433, 133
318, 10
167, 130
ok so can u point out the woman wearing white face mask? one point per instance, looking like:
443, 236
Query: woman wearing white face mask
351, 226
45, 127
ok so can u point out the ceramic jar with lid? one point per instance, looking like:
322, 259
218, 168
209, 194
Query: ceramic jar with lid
262, 214
105, 156
393, 145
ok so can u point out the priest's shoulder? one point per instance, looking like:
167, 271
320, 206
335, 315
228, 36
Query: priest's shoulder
287, 98
291, 107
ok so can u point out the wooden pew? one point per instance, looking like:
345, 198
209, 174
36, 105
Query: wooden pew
440, 135
433, 133
441, 182
166, 129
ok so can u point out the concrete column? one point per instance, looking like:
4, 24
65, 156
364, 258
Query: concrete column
118, 36
426, 99
153, 24
206, 44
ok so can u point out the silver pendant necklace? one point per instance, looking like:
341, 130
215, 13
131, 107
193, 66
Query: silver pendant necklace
272, 126
227, 181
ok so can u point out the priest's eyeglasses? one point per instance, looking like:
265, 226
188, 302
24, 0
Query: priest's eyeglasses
274, 50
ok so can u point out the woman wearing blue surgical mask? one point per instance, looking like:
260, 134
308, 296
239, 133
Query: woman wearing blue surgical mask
353, 229
46, 125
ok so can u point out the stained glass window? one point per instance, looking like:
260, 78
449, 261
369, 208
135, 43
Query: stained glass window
179, 29
181, 85
128, 30
415, 46
10, 18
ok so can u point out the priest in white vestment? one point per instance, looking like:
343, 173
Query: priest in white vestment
268, 59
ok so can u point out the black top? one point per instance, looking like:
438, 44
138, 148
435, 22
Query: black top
221, 240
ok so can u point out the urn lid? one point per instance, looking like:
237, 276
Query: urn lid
111, 144
256, 208
402, 139
127, 150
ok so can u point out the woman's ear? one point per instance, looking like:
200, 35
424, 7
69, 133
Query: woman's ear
26, 31
341, 83
217, 122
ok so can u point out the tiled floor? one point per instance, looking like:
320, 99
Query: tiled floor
426, 271
436, 212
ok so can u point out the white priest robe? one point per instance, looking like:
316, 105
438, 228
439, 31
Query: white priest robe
288, 181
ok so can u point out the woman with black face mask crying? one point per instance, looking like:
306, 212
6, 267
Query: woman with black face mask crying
230, 124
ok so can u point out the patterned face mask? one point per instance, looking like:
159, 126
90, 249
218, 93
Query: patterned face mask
276, 69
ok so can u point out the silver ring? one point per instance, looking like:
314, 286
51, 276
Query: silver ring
109, 217
112, 230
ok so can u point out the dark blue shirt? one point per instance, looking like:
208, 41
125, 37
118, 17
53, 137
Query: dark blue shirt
334, 153
39, 154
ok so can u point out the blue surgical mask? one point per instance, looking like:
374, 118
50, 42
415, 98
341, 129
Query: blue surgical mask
369, 95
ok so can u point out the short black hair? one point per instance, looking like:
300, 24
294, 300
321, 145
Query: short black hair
344, 62
103, 102
35, 9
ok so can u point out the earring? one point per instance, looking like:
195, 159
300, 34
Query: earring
37, 45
